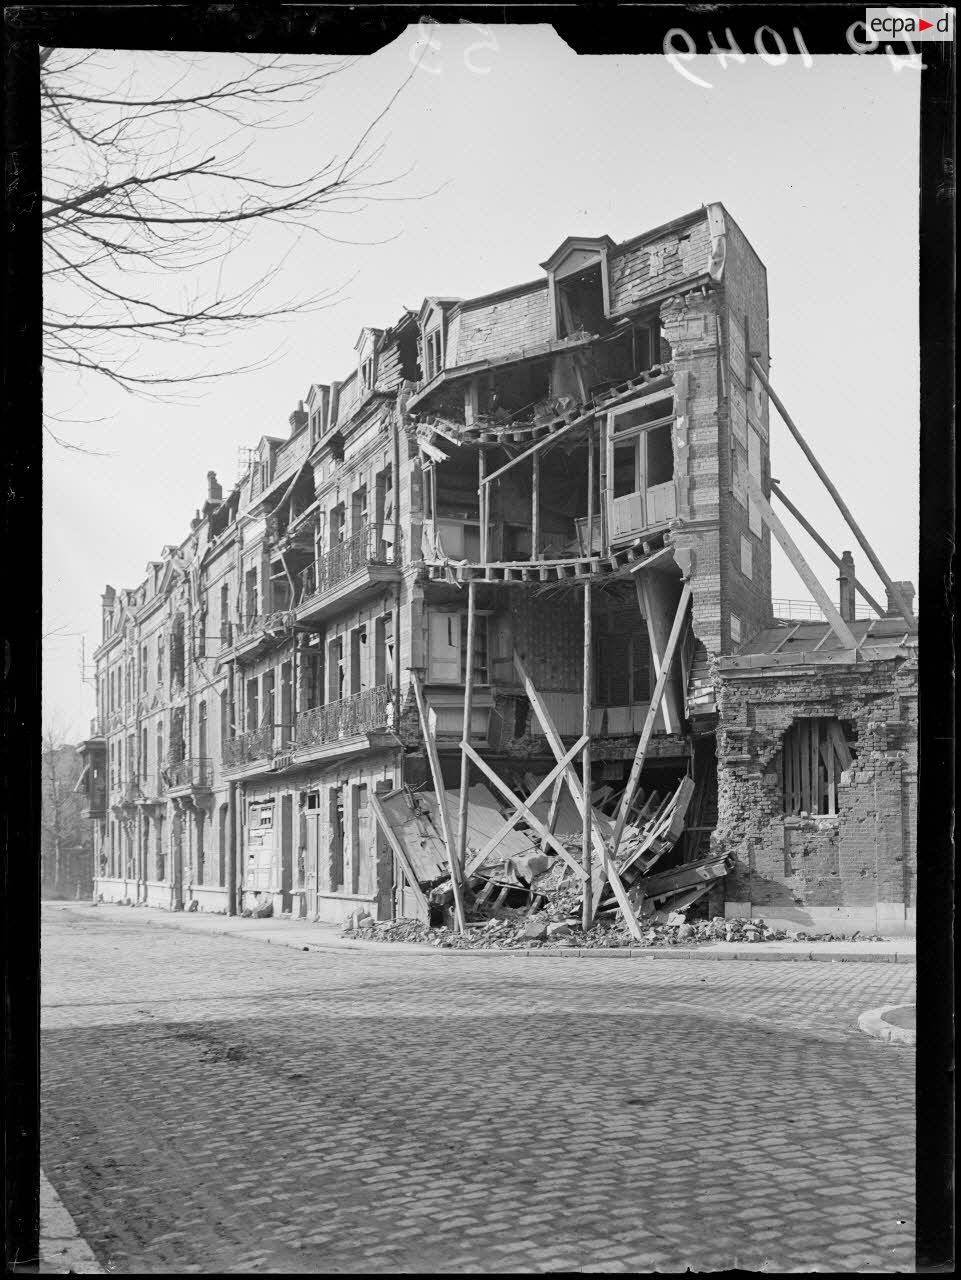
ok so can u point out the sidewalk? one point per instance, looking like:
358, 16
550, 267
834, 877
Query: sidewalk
320, 936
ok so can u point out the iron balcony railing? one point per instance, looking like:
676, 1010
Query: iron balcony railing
345, 559
346, 718
246, 748
257, 622
195, 771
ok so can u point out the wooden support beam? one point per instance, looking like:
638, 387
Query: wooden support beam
587, 913
650, 600
589, 549
839, 501
555, 804
538, 445
466, 734
483, 498
803, 569
557, 747
441, 794
582, 798
667, 661
399, 852
535, 505
524, 811
813, 533
555, 775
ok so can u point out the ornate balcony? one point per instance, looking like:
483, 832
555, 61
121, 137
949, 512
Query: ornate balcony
249, 748
191, 775
352, 717
350, 568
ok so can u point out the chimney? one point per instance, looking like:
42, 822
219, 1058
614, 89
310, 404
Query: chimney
196, 520
907, 594
214, 490
109, 597
846, 579
298, 419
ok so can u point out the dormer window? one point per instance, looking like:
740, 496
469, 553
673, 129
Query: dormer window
366, 348
433, 353
367, 374
578, 286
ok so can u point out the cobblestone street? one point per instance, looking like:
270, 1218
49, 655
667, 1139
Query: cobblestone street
217, 1104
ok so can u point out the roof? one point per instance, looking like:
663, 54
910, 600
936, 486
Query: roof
791, 643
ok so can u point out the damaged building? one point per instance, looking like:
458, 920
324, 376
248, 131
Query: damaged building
520, 559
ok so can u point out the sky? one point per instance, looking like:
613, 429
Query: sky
503, 142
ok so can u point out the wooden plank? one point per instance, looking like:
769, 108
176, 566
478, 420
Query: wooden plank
538, 445
838, 500
804, 570
840, 745
441, 794
648, 728
533, 821
831, 555
587, 909
535, 505
650, 598
466, 734
478, 858
829, 765
398, 851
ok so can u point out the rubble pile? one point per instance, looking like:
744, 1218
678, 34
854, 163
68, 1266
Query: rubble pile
518, 929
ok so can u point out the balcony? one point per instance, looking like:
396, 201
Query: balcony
182, 777
249, 748
367, 712
350, 569
258, 632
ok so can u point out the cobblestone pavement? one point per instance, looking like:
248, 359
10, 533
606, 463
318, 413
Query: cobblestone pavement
216, 1104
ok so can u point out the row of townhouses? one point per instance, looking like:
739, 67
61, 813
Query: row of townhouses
578, 461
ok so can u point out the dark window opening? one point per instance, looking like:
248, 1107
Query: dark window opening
580, 303
814, 754
625, 479
521, 711
660, 456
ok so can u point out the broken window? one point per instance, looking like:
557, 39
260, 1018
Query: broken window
580, 303
622, 671
814, 754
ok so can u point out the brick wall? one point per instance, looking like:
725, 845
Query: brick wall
498, 329
806, 871
641, 269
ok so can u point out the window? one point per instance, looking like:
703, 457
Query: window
335, 670
367, 374
160, 659
338, 524
253, 704
202, 730
358, 509
622, 670
747, 558
250, 595
225, 636
447, 648
362, 877
144, 659
336, 826
814, 754
143, 755
177, 651
359, 662
433, 353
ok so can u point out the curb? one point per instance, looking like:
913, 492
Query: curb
872, 1023
63, 1250
755, 952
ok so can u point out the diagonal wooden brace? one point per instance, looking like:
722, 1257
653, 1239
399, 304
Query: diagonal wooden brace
523, 810
604, 868
554, 775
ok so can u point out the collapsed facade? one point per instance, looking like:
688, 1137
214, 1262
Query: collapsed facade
521, 555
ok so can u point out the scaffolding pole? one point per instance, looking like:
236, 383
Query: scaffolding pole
588, 904
441, 795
